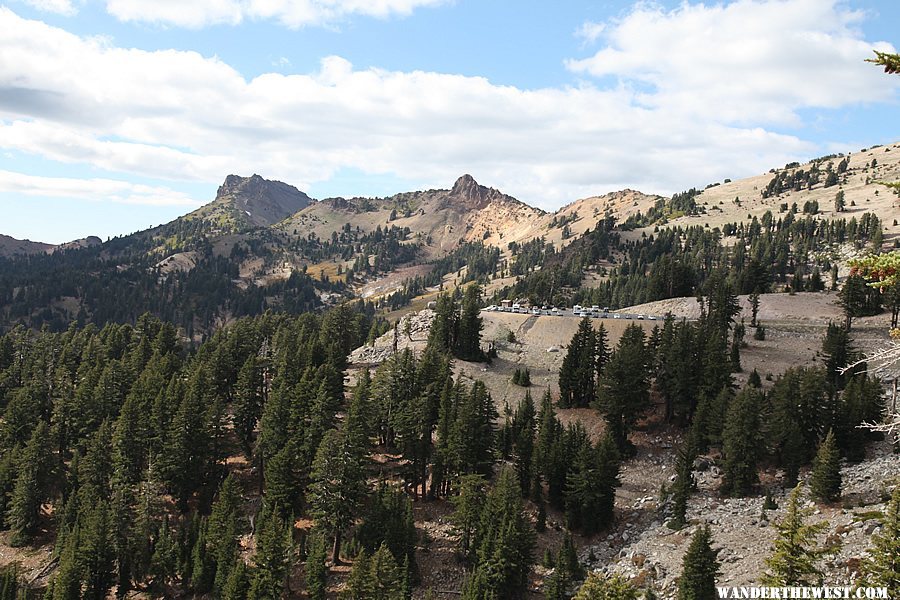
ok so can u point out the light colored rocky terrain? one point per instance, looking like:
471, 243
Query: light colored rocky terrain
641, 545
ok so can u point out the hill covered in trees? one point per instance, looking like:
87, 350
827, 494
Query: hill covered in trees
182, 415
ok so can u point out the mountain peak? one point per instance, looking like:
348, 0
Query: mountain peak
261, 202
473, 194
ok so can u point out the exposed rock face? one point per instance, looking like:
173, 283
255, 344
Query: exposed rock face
468, 194
260, 201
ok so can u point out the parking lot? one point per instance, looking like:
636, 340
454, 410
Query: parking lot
579, 312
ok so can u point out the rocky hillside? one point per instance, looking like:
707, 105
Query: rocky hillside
246, 202
440, 219
10, 246
861, 182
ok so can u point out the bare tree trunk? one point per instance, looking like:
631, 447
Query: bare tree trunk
336, 549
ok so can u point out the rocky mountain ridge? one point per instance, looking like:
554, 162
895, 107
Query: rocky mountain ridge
10, 246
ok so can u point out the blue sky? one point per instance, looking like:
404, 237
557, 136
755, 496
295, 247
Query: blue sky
116, 115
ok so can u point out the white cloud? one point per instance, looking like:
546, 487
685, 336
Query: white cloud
749, 61
59, 7
180, 116
589, 31
291, 13
92, 189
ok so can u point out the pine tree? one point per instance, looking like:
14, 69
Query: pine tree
164, 563
682, 487
566, 569
386, 576
599, 587
338, 484
591, 486
741, 443
282, 481
795, 557
273, 547
96, 552
825, 480
523, 439
467, 514
853, 299
130, 442
839, 352
238, 584
184, 461
468, 342
882, 567
8, 463
201, 561
68, 580
248, 402
224, 531
30, 488
700, 569
624, 391
389, 520
445, 327
316, 571
577, 375
505, 543
9, 582
360, 585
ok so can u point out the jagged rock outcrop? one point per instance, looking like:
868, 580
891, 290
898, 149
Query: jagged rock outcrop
259, 201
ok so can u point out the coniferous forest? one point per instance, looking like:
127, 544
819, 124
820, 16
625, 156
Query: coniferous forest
244, 467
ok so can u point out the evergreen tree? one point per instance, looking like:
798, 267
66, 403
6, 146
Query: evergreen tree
699, 569
338, 483
201, 567
800, 413
273, 548
389, 521
316, 571
184, 462
741, 443
862, 402
9, 582
360, 585
248, 402
386, 576
445, 327
523, 440
882, 567
96, 552
224, 531
839, 353
67, 582
855, 299
599, 587
577, 375
825, 480
238, 584
8, 463
795, 556
591, 486
468, 342
754, 308
30, 488
467, 514
504, 541
624, 391
683, 486
282, 480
